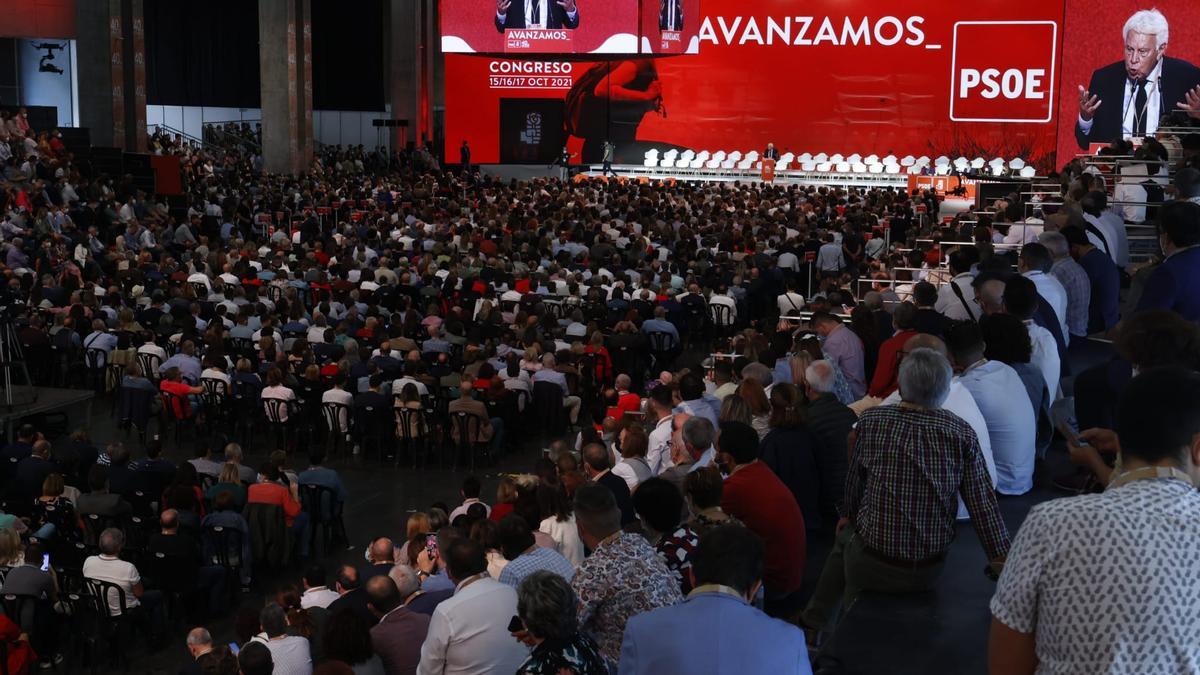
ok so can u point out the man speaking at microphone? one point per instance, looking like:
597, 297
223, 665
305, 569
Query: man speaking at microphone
536, 14
1127, 98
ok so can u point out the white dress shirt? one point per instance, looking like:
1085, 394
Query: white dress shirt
468, 632
1052, 290
1151, 114
948, 304
658, 456
1045, 356
997, 390
960, 402
318, 596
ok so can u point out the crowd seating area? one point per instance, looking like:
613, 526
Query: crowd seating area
693, 358
693, 163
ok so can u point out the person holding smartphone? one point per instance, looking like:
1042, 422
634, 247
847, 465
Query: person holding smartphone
35, 577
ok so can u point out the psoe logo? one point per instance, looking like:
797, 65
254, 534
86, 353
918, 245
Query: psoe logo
1003, 71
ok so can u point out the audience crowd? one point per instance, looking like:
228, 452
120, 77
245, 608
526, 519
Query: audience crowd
720, 375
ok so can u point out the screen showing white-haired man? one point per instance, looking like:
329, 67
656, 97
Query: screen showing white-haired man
1129, 97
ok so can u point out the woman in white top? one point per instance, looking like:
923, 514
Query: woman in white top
633, 466
559, 521
276, 390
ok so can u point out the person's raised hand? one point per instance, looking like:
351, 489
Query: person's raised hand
1191, 103
1103, 440
1088, 103
502, 6
654, 91
525, 638
568, 5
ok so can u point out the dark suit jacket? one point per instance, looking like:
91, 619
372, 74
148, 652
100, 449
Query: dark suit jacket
355, 600
397, 640
557, 17
664, 15
620, 490
1178, 77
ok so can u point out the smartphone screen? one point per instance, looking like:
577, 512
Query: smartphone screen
516, 625
233, 647
45, 562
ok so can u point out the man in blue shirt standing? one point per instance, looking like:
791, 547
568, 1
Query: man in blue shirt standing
1175, 284
1103, 304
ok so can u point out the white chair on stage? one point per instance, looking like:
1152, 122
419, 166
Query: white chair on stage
889, 160
685, 159
651, 158
808, 166
961, 164
824, 167
746, 164
941, 166
857, 167
712, 164
871, 159
837, 159
668, 159
978, 163
907, 161
699, 161
785, 160
729, 162
996, 166
719, 155
736, 156
877, 168
856, 158
1016, 164
893, 169
916, 169
820, 158
1028, 171
842, 167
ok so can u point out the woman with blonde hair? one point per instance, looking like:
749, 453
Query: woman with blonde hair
11, 551
506, 498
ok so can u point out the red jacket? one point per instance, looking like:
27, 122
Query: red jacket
274, 493
754, 495
887, 367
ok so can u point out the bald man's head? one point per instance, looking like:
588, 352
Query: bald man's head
991, 296
926, 341
382, 550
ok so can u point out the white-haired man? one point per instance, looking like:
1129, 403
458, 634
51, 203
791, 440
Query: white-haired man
1127, 98
909, 464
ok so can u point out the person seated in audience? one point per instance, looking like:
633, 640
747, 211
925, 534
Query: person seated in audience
624, 576
98, 500
399, 632
702, 489
415, 598
28, 579
129, 595
524, 556
182, 396
32, 471
233, 455
185, 561
319, 474
469, 631
633, 467
1020, 298
289, 654
546, 611
346, 639
898, 516
272, 491
1002, 398
1072, 558
597, 465
351, 594
316, 593
1173, 283
659, 506
727, 567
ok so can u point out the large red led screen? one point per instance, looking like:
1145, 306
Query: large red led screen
540, 26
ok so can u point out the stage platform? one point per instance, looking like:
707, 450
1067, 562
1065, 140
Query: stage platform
830, 178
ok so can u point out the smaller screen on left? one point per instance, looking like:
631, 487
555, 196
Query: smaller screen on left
540, 26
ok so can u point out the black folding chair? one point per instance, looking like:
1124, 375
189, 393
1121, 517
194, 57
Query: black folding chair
336, 415
413, 431
324, 514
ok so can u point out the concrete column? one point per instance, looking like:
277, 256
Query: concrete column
112, 72
413, 51
285, 69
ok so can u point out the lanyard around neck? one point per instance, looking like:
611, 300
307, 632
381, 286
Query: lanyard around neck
1150, 473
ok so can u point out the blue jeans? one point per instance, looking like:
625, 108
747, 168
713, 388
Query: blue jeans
46, 532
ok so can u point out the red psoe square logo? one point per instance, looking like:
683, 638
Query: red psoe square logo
1003, 71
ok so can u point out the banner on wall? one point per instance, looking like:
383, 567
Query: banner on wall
670, 26
540, 26
881, 77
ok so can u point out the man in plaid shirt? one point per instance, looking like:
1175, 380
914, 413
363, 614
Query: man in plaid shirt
910, 463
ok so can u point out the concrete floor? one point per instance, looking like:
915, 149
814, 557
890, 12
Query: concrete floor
943, 632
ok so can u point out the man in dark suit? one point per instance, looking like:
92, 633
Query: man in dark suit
398, 635
1129, 97
670, 17
597, 463
536, 14
770, 152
